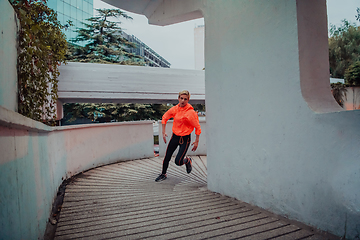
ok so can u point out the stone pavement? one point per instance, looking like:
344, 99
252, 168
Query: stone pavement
122, 201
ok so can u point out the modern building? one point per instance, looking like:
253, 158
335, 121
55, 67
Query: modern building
75, 10
152, 58
79, 10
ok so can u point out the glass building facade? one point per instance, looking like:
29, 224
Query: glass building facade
151, 58
75, 10
78, 11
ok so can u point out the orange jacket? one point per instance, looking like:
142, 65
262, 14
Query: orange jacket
185, 120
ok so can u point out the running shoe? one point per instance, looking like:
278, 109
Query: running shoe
188, 165
161, 177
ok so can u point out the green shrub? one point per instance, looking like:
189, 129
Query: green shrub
352, 74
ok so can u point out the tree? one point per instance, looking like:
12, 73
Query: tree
103, 40
199, 107
41, 49
344, 48
352, 74
107, 112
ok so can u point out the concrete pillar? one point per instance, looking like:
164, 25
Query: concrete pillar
275, 136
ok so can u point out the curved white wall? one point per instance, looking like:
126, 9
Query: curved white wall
35, 159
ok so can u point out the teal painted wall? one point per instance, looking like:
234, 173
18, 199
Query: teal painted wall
26, 191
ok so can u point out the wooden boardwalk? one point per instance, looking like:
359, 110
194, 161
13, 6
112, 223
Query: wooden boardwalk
122, 201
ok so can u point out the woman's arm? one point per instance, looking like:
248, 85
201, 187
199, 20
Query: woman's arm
196, 143
164, 132
167, 115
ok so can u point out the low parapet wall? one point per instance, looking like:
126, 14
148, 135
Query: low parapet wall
36, 158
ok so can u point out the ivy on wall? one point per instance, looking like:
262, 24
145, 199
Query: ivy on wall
41, 49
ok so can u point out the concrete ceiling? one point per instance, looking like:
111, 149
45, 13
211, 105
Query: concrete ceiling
162, 12
144, 7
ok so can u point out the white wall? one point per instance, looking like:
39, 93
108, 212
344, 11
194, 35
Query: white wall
275, 151
8, 56
35, 159
352, 99
199, 35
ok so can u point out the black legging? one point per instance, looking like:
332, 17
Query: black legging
184, 142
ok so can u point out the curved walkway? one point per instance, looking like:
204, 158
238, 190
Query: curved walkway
122, 201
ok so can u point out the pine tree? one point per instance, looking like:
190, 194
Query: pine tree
103, 41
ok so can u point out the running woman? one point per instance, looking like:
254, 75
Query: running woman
185, 120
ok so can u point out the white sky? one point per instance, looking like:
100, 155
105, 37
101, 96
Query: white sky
176, 42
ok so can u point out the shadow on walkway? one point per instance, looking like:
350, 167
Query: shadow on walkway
122, 201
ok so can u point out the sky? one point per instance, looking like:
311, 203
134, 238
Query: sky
176, 42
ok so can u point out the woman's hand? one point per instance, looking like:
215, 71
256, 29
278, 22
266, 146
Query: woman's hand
164, 132
164, 137
195, 145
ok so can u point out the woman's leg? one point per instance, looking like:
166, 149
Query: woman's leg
184, 146
173, 143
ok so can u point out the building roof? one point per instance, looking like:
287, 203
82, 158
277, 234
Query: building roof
103, 83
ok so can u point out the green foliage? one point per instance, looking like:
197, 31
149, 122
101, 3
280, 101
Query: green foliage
107, 112
103, 41
41, 49
339, 92
344, 48
352, 74
156, 139
199, 107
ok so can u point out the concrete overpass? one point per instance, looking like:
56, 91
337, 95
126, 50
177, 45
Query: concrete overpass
104, 83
